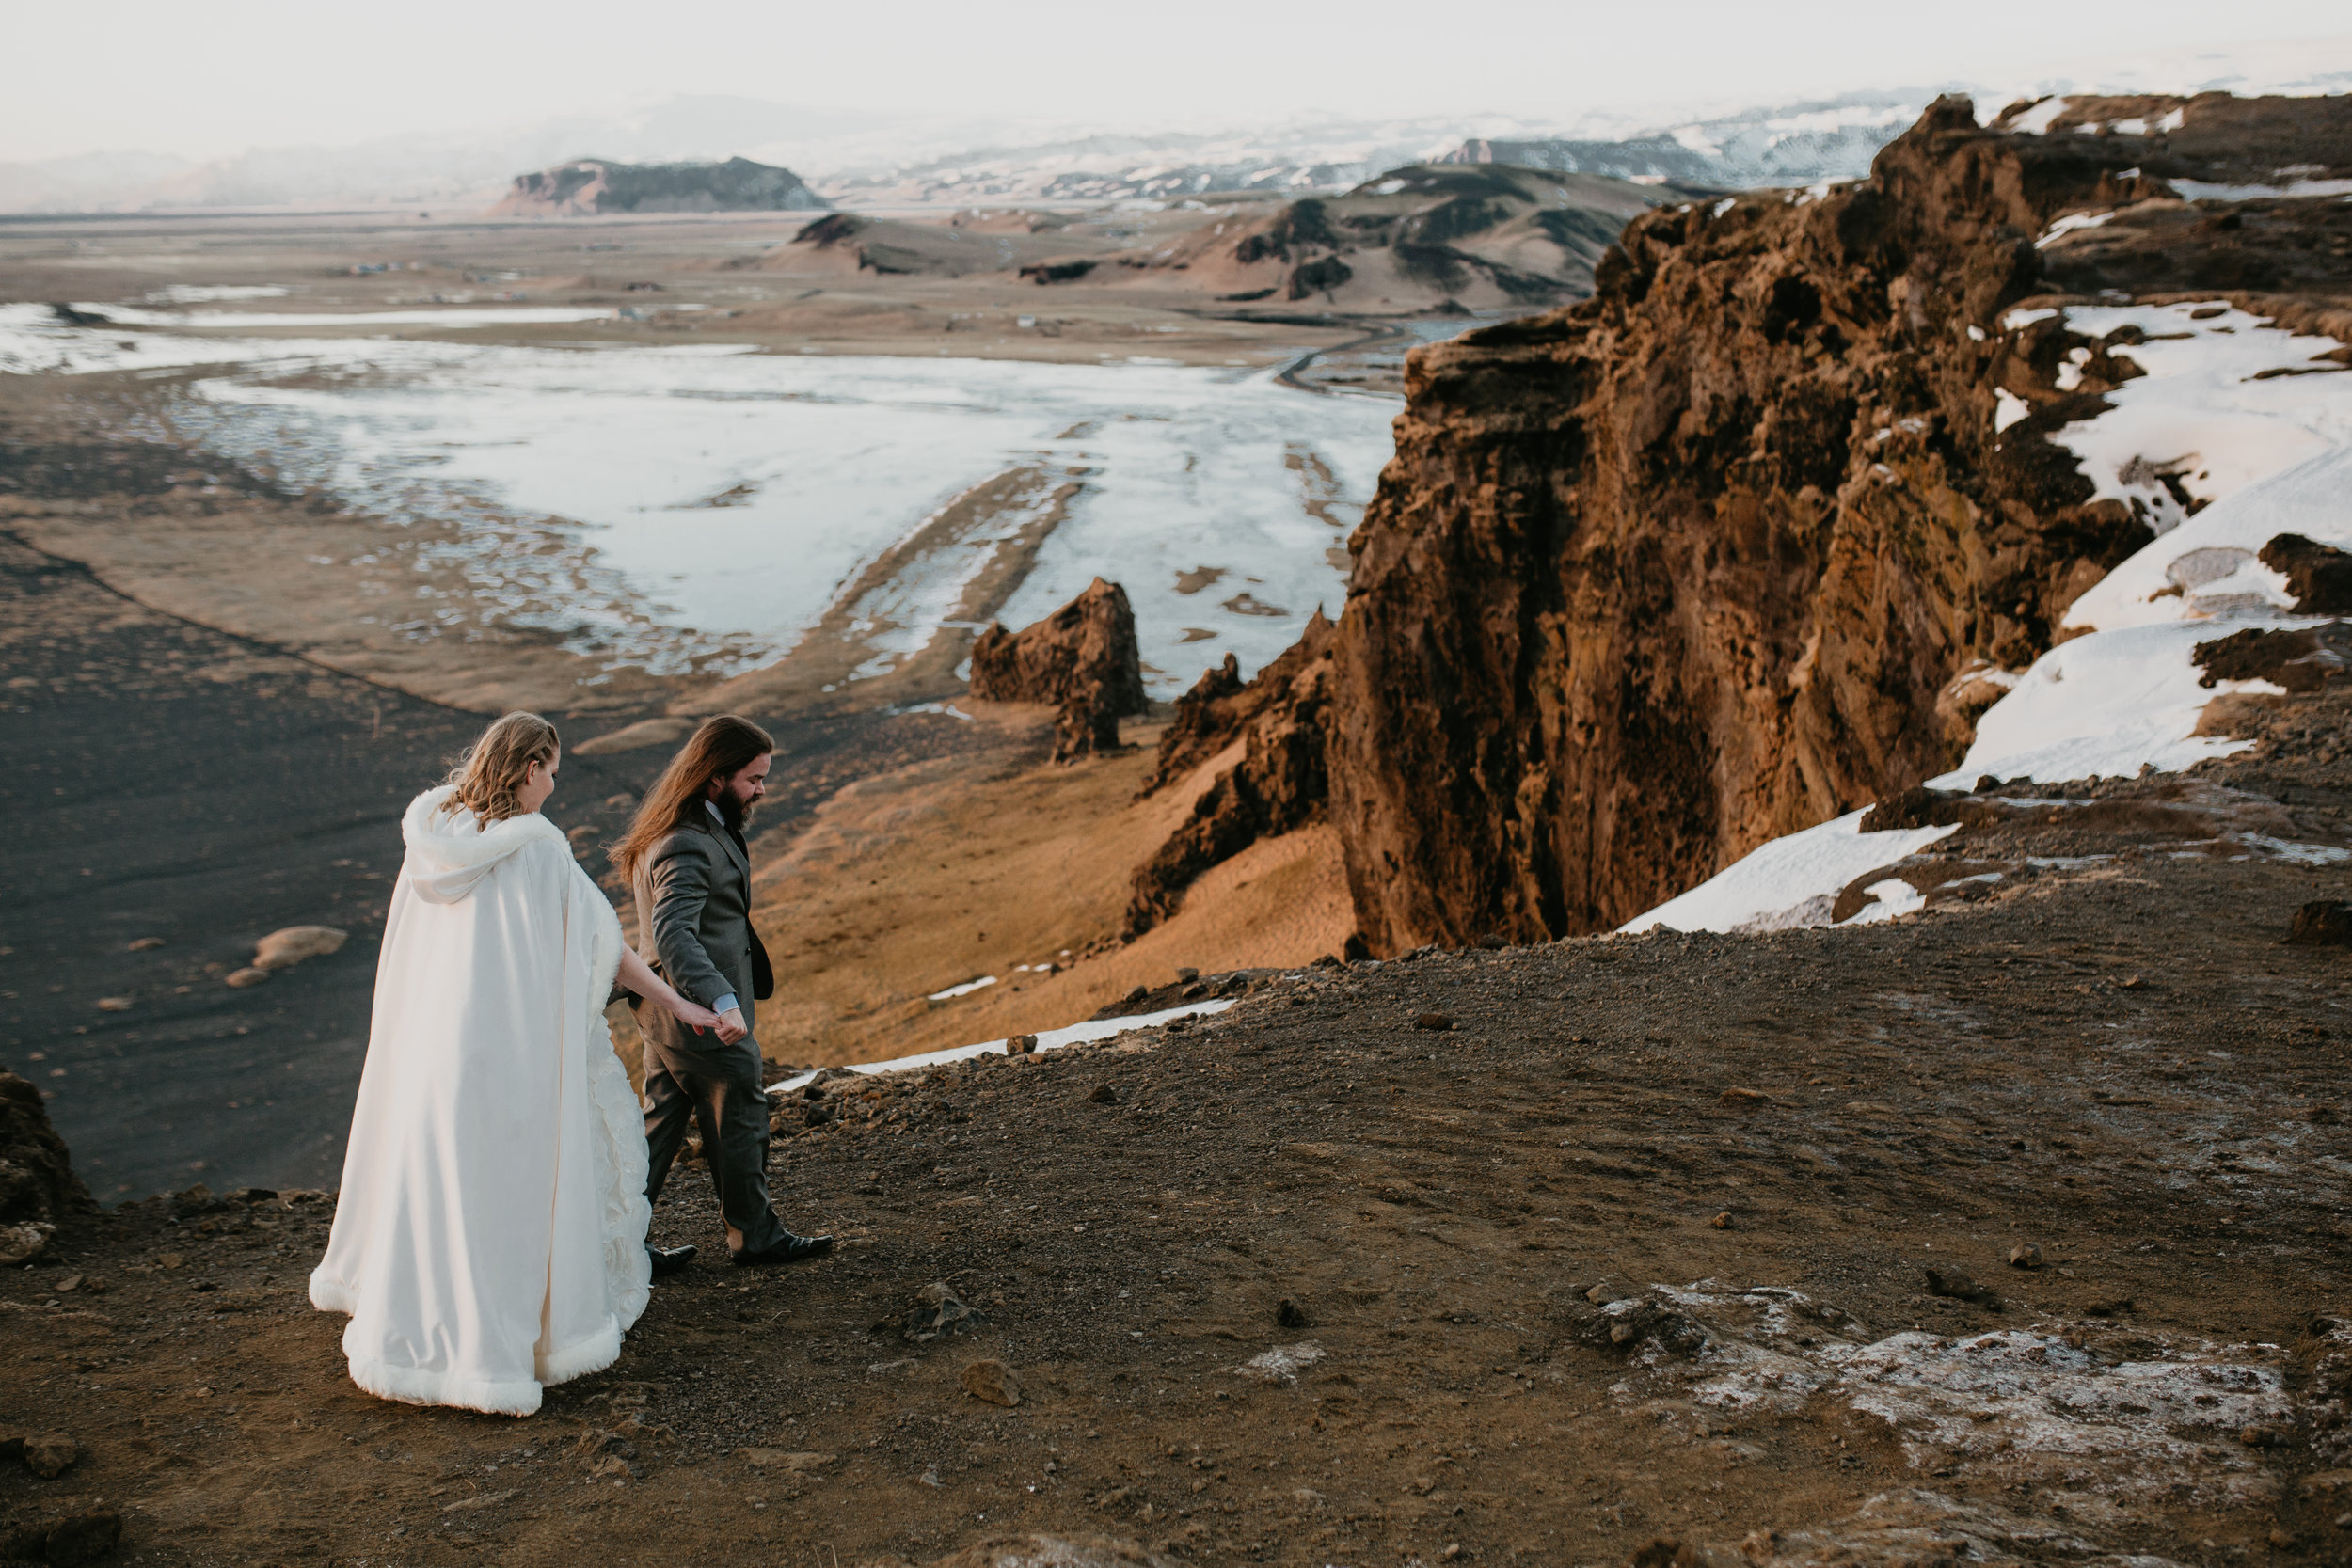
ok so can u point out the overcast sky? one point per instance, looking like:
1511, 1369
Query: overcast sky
219, 76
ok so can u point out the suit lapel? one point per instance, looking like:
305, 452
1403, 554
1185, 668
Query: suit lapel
735, 850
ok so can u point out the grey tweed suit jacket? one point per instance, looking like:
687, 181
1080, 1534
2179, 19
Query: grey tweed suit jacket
694, 920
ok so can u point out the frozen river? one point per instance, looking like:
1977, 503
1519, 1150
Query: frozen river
725, 500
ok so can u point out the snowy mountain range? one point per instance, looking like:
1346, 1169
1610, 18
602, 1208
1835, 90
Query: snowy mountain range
872, 158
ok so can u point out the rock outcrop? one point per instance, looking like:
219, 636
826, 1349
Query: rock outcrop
1707, 558
1277, 784
586, 188
1083, 658
38, 1191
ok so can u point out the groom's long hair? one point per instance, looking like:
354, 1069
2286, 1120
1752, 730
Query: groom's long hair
720, 749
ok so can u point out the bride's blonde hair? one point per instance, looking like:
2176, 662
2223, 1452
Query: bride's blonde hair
490, 776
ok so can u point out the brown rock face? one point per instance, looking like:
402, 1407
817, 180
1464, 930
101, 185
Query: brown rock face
1278, 784
1730, 549
1083, 658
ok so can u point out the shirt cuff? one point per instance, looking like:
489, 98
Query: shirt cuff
724, 1005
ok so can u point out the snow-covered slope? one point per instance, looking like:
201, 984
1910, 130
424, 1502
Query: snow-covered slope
2257, 429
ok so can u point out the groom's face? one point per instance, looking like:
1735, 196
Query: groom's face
736, 794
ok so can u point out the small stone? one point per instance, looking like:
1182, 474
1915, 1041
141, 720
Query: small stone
239, 978
1103, 1095
1437, 1024
1020, 1045
146, 944
2135, 983
993, 1381
943, 1313
70, 1282
1598, 1295
2280, 1538
1745, 1097
790, 1462
1722, 1221
49, 1454
283, 949
1960, 1287
114, 1004
2024, 1255
170, 1260
1287, 1314
80, 1537
1186, 976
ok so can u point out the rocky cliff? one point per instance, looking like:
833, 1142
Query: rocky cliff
1718, 553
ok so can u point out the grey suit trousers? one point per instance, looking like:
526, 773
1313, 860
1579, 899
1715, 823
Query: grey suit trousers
693, 901
718, 1088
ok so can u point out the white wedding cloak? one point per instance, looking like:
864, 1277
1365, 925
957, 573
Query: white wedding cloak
490, 1234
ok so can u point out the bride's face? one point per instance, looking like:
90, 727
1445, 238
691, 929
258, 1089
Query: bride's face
539, 782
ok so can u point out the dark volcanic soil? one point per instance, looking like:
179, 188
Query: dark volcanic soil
2119, 1064
169, 781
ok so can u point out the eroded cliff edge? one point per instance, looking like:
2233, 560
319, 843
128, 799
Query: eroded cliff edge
1712, 556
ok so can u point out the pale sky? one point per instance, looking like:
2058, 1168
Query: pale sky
215, 77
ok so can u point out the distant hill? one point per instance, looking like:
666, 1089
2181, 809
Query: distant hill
588, 187
970, 242
1794, 145
1482, 236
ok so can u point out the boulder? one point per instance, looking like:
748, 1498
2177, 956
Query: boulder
49, 1454
993, 1382
285, 948
38, 1190
1083, 659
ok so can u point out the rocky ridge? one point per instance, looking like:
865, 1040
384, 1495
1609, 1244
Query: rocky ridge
1712, 556
1486, 236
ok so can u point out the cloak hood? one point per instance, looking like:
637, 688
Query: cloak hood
449, 851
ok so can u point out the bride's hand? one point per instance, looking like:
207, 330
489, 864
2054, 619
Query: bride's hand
694, 1017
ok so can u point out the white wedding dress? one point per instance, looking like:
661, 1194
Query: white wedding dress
490, 1235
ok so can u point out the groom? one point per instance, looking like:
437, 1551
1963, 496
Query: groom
685, 857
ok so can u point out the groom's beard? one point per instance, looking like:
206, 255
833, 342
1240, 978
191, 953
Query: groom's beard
733, 812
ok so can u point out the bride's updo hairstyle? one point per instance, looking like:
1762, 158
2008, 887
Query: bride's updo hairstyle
488, 778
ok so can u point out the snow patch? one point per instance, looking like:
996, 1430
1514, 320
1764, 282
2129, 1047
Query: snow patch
1047, 1040
1783, 878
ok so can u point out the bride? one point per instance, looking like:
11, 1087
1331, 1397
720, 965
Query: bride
490, 1234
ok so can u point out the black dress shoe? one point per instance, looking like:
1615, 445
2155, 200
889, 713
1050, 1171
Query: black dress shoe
669, 1260
790, 1250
